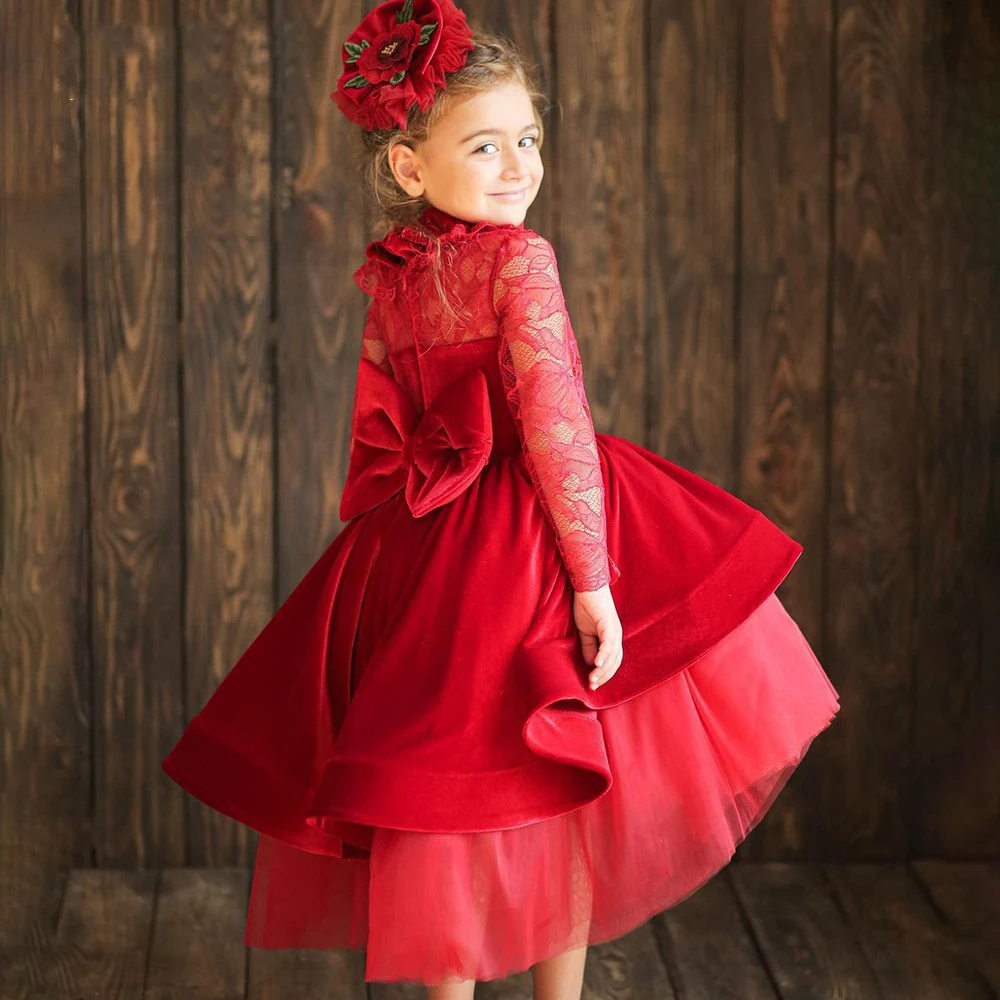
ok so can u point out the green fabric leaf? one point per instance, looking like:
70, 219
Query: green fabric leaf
397, 77
354, 50
356, 82
405, 12
426, 31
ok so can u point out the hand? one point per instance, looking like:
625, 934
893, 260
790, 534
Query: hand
596, 618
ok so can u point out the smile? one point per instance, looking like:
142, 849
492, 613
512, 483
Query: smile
511, 195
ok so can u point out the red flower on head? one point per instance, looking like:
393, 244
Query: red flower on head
397, 58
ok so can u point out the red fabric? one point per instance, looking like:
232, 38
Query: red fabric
416, 713
697, 763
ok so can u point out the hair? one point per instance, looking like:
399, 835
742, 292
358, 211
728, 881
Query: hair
493, 61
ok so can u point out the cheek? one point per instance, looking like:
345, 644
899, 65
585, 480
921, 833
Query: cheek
474, 170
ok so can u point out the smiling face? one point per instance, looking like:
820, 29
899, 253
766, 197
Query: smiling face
481, 161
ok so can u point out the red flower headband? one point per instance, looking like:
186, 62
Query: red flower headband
397, 57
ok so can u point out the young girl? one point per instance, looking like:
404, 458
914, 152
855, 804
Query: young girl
540, 686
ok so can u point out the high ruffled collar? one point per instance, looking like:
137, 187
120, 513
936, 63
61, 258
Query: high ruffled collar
433, 225
387, 256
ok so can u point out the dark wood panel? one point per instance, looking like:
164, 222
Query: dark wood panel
691, 363
600, 239
321, 236
968, 896
709, 949
226, 279
956, 729
196, 948
786, 91
789, 931
907, 945
98, 948
45, 759
308, 974
628, 968
134, 449
873, 490
803, 937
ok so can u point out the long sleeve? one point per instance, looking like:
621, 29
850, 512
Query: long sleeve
374, 348
543, 380
373, 345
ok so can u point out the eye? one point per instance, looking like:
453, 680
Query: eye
532, 138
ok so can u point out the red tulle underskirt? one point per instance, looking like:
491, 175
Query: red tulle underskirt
697, 761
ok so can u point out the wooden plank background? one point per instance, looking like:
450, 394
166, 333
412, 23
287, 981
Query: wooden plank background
777, 230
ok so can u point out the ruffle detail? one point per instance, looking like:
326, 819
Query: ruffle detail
697, 762
386, 258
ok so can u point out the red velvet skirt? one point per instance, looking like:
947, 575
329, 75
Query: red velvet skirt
433, 781
697, 761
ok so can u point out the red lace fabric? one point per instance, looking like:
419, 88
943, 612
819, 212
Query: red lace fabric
504, 282
373, 345
543, 379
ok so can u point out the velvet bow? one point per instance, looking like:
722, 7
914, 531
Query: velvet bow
432, 457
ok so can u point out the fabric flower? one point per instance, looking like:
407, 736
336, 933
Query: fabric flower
397, 58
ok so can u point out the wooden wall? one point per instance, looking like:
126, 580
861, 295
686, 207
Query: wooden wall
777, 231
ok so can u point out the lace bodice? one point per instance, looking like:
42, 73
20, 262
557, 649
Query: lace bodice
504, 282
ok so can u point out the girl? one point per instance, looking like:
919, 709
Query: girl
540, 686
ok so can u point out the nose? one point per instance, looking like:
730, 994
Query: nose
514, 165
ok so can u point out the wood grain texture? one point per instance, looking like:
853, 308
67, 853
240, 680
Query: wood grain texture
967, 895
601, 232
131, 267
783, 307
708, 949
307, 974
197, 941
320, 240
956, 807
628, 967
904, 940
45, 759
691, 362
804, 939
225, 225
98, 947
880, 246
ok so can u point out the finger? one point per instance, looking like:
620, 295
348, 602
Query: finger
607, 651
609, 668
603, 653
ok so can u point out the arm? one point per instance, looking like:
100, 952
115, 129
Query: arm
373, 345
543, 380
374, 349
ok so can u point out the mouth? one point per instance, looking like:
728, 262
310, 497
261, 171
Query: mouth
511, 195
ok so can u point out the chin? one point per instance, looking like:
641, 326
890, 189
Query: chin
514, 212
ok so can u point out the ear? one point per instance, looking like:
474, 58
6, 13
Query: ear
407, 169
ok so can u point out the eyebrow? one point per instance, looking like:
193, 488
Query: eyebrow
493, 131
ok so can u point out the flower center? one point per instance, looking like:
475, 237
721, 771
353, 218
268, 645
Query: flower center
389, 49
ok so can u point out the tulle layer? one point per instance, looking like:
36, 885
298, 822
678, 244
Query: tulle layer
697, 761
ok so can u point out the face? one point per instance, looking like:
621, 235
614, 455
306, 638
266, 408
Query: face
480, 162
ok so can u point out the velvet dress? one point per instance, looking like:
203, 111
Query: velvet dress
413, 734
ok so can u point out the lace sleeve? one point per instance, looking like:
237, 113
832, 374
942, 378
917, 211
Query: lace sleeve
543, 381
373, 348
373, 344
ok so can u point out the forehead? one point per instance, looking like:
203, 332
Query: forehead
506, 107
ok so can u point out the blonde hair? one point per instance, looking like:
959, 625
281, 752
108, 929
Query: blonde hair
492, 62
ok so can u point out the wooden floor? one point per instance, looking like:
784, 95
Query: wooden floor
927, 930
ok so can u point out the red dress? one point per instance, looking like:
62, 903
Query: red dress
413, 734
